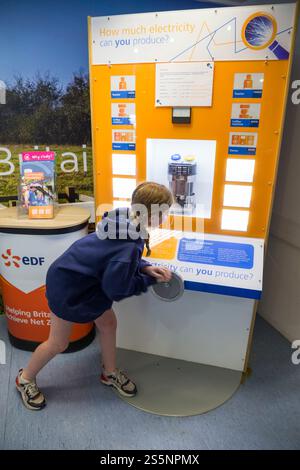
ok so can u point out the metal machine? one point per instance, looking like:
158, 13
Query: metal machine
182, 178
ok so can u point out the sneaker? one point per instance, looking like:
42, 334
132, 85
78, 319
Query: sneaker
120, 382
32, 398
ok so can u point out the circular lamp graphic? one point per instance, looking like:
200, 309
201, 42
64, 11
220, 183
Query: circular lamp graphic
259, 31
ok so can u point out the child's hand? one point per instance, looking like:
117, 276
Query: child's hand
161, 274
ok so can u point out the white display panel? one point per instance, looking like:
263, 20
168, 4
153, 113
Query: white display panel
194, 35
186, 84
159, 152
235, 220
238, 170
237, 196
123, 187
124, 164
199, 327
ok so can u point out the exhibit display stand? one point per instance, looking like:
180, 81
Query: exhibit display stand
28, 247
194, 100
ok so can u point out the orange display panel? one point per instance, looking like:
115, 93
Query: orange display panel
28, 326
208, 123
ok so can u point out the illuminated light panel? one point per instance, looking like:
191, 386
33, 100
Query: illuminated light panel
239, 170
124, 164
235, 220
123, 187
237, 196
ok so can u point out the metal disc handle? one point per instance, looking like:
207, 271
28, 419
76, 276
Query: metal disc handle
169, 291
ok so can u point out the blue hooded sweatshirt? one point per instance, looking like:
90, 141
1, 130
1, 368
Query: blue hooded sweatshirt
98, 269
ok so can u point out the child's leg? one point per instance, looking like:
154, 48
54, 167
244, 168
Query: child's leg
107, 326
57, 342
112, 377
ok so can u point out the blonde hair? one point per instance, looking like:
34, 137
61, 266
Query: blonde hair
148, 194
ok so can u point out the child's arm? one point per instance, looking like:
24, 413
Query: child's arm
123, 279
143, 263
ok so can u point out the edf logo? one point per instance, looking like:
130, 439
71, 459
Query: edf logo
17, 261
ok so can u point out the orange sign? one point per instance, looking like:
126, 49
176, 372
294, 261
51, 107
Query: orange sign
28, 314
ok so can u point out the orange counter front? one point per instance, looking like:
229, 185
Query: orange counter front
27, 248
